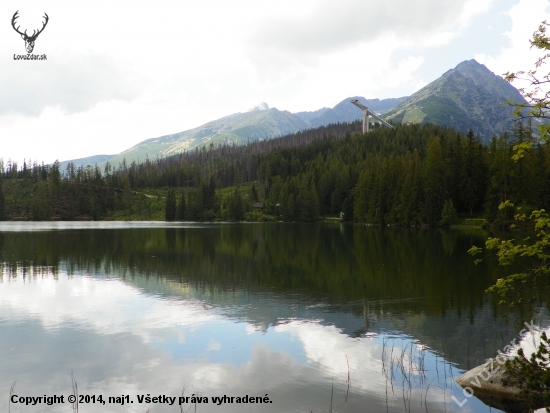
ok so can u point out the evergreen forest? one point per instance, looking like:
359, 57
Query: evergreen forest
412, 175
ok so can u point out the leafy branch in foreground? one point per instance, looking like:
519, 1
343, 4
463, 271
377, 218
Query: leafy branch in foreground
531, 375
537, 103
508, 251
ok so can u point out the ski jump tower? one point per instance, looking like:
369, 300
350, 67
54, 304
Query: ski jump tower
366, 113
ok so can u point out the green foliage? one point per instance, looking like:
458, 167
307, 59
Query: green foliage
448, 215
2, 203
434, 178
54, 174
235, 206
347, 209
538, 100
170, 210
253, 193
473, 182
202, 203
402, 176
532, 375
537, 250
519, 180
40, 205
180, 212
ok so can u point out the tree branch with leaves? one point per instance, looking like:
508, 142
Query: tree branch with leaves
509, 251
532, 373
537, 105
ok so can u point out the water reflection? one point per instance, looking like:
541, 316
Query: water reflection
290, 310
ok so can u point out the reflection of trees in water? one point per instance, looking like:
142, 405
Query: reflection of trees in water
418, 281
316, 260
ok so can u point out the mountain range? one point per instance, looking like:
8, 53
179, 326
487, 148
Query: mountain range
258, 123
469, 96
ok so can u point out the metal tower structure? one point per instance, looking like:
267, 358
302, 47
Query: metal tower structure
366, 113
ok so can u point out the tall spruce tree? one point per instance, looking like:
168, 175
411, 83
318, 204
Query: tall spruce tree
2, 203
253, 193
235, 206
434, 178
170, 209
473, 183
180, 213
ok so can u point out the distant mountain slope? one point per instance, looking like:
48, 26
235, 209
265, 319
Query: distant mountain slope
469, 96
309, 116
258, 124
84, 162
346, 112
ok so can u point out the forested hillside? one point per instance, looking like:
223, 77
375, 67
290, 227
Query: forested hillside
410, 175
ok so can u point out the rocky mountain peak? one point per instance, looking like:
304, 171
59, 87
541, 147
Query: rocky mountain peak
258, 107
469, 96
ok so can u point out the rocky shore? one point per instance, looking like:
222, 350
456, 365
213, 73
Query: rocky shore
492, 384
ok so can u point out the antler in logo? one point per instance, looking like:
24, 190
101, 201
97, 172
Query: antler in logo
29, 40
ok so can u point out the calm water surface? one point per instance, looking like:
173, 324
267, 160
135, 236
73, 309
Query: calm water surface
315, 316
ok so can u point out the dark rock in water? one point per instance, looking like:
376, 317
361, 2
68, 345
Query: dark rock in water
491, 384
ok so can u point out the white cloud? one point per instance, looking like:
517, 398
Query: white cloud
434, 40
403, 73
472, 8
526, 17
73, 85
121, 73
332, 26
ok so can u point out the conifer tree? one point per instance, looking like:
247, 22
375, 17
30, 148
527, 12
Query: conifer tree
474, 176
434, 177
448, 215
235, 207
2, 203
170, 209
253, 193
180, 213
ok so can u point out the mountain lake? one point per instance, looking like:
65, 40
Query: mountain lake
275, 317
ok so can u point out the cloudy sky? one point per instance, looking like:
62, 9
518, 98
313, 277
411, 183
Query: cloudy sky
121, 72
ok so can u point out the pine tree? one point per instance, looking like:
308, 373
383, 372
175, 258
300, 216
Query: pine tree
253, 193
41, 206
347, 208
180, 213
170, 209
434, 178
448, 215
2, 203
498, 187
235, 207
474, 177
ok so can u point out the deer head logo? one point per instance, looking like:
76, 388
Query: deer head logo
29, 40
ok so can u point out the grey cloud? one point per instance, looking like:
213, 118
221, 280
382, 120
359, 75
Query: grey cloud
73, 85
332, 25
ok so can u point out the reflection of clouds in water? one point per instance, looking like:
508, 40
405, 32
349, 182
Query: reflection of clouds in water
105, 330
39, 226
326, 346
530, 341
214, 346
108, 306
331, 351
